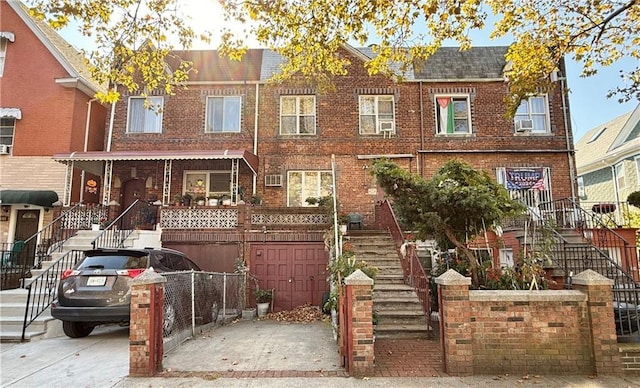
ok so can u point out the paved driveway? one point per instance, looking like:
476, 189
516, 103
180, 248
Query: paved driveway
99, 360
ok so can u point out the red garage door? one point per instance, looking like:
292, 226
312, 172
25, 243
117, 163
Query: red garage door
297, 272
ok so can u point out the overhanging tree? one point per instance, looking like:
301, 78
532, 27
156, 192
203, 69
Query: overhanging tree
454, 205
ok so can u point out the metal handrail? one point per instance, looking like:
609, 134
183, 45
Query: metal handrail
117, 232
43, 289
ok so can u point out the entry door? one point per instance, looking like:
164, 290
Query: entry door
297, 272
131, 190
27, 226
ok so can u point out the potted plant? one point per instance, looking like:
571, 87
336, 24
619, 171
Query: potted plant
200, 200
177, 199
311, 201
263, 299
225, 200
255, 200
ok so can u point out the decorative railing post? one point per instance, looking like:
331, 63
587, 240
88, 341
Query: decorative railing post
145, 329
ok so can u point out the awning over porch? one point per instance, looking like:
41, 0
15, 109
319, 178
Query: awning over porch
44, 198
92, 160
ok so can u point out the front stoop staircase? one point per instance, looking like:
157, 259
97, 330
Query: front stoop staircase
396, 304
14, 302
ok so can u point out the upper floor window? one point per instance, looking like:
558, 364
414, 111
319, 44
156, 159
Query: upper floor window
297, 115
5, 38
145, 118
223, 114
304, 184
377, 115
620, 178
453, 115
7, 128
582, 190
532, 115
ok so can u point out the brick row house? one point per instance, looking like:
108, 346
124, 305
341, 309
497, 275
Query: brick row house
46, 107
230, 135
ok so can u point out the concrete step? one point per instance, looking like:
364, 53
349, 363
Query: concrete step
12, 308
383, 330
15, 322
18, 295
396, 303
393, 280
401, 317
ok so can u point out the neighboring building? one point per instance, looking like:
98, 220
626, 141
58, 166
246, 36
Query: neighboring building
608, 160
46, 107
231, 134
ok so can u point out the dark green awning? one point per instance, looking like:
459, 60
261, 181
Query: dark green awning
44, 198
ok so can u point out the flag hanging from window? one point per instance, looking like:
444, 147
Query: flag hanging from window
525, 178
446, 114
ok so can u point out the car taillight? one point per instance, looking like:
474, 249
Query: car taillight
68, 273
132, 273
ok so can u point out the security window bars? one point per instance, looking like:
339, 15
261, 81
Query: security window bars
297, 115
145, 118
223, 114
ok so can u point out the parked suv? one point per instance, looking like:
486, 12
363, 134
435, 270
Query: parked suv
97, 289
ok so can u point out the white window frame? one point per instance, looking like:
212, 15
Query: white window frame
297, 114
531, 198
532, 116
318, 191
4, 42
620, 176
155, 109
439, 127
210, 113
506, 257
378, 120
637, 160
189, 186
5, 127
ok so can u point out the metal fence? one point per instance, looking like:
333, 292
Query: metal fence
197, 300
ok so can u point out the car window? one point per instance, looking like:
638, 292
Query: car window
164, 261
114, 262
179, 263
191, 264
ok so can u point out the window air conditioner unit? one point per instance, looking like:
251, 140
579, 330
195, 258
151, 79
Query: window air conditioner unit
387, 127
524, 125
274, 180
4, 149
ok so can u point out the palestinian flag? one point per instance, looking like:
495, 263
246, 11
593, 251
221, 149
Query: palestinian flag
446, 114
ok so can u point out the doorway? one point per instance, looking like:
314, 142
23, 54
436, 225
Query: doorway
26, 226
132, 190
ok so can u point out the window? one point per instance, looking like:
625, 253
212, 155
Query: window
7, 128
223, 114
637, 161
305, 184
529, 185
453, 115
207, 184
506, 257
620, 178
3, 53
297, 115
534, 109
377, 115
582, 190
145, 119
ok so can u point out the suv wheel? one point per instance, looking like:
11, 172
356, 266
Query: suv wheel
77, 329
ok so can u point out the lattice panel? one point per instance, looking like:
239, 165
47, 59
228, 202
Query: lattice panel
289, 219
81, 218
199, 218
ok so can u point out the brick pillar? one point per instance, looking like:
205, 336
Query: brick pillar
358, 291
145, 329
606, 357
455, 323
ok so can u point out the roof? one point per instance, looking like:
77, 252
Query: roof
71, 59
448, 63
100, 156
608, 143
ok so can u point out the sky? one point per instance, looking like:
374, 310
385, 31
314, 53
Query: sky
588, 102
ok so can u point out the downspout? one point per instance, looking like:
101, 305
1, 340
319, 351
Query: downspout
572, 170
86, 146
421, 161
113, 113
255, 139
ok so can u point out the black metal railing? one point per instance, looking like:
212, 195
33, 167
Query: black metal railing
140, 214
42, 289
603, 250
15, 264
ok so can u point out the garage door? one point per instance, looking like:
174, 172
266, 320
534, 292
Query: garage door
297, 272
